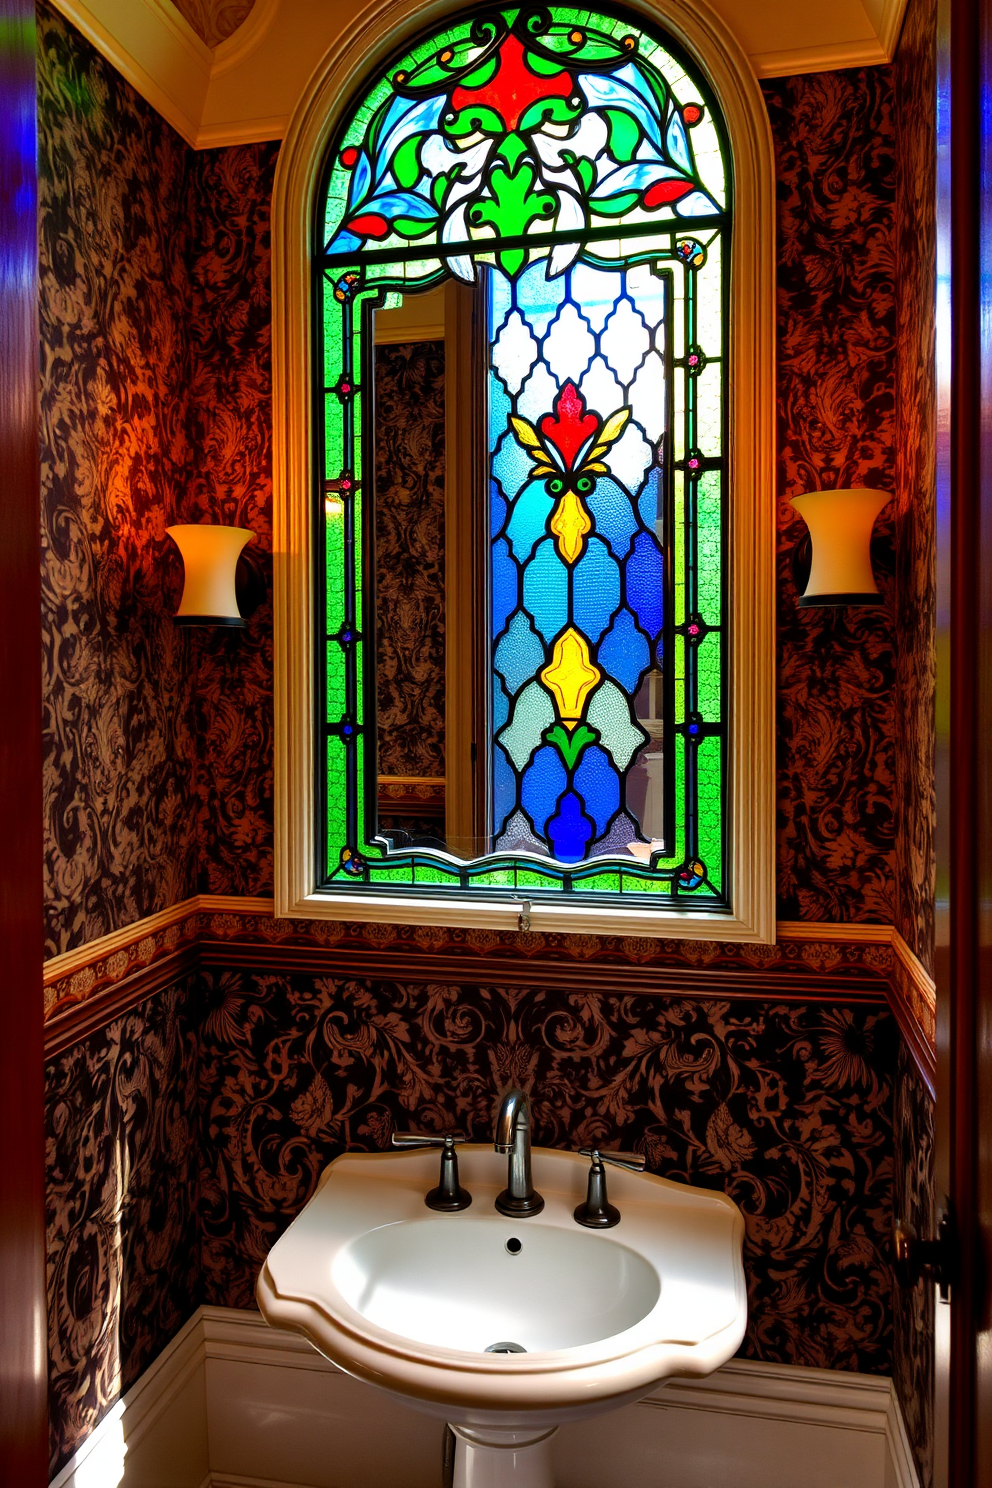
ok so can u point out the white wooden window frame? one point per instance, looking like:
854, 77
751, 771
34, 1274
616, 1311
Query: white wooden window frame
362, 51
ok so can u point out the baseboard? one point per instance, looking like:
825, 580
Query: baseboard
233, 1403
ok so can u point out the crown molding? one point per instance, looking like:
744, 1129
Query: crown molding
246, 89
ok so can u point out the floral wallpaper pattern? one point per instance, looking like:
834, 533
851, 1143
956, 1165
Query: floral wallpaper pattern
409, 546
787, 1109
916, 474
913, 1310
120, 747
156, 406
230, 428
835, 160
123, 1254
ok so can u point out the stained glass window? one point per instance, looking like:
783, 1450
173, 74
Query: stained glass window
571, 167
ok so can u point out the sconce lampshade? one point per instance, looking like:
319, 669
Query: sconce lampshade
210, 558
840, 526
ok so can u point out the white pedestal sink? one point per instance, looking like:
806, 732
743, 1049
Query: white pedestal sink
581, 1321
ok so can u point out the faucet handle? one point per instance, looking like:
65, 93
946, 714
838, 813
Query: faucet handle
634, 1162
427, 1139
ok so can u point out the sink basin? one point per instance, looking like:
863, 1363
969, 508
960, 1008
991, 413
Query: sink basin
458, 1285
507, 1327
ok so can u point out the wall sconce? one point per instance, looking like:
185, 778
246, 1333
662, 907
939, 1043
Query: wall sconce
839, 541
210, 558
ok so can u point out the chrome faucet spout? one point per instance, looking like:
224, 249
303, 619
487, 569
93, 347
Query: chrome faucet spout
511, 1137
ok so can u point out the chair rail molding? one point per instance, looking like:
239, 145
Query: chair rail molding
87, 987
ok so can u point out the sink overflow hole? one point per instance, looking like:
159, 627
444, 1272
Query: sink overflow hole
506, 1348
514, 1246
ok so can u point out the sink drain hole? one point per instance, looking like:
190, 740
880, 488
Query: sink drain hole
514, 1246
506, 1348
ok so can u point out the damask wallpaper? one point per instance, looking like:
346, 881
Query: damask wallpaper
913, 1197
118, 695
230, 428
409, 549
916, 83
835, 160
912, 1311
156, 405
787, 1109
123, 1252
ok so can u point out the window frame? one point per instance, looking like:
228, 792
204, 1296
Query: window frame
346, 71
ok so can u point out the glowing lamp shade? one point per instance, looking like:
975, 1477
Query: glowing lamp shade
840, 526
210, 558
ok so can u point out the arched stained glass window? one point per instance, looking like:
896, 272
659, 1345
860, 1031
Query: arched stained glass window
569, 169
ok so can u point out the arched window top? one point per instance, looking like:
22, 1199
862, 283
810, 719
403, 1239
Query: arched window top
521, 126
607, 754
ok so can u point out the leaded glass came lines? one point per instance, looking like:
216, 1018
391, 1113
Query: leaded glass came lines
569, 166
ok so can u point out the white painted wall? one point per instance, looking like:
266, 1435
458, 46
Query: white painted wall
233, 1403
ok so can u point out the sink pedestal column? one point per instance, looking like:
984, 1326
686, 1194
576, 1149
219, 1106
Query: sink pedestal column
503, 1459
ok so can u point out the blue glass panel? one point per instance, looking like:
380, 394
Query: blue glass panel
504, 788
615, 520
504, 580
405, 117
528, 520
500, 408
512, 465
497, 509
543, 782
538, 297
570, 831
624, 652
650, 501
519, 654
624, 90
400, 204
598, 784
500, 305
546, 590
677, 142
501, 705
597, 589
645, 576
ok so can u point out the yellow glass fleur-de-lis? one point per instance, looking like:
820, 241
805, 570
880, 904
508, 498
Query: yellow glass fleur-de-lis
570, 676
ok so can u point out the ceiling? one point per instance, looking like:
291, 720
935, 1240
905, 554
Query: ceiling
226, 72
214, 20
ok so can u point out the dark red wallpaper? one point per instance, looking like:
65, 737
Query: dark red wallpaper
230, 428
835, 160
913, 1198
123, 1251
156, 396
787, 1109
916, 79
119, 739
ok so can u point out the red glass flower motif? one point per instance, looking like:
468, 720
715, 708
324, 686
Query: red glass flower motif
572, 427
514, 88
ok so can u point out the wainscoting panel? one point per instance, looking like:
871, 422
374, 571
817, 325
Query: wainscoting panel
232, 1403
